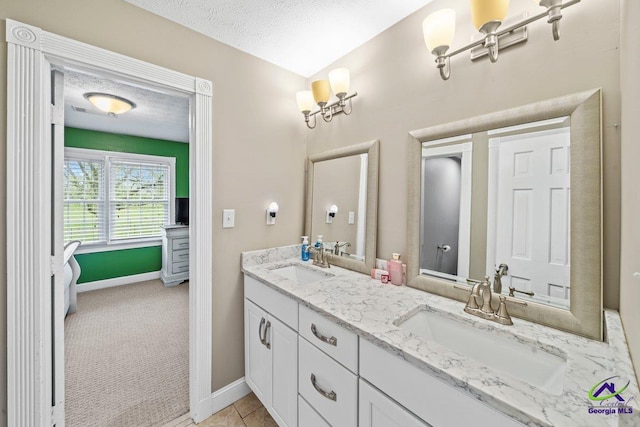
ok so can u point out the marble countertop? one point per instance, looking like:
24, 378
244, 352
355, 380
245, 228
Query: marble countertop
372, 310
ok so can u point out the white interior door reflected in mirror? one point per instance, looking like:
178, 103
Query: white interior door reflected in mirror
530, 192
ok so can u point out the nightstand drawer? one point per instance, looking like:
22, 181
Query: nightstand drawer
327, 386
181, 255
181, 243
180, 267
329, 337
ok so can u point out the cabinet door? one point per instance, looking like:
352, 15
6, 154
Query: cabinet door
308, 417
284, 353
377, 410
257, 355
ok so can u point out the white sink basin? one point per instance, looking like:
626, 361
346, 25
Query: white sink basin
301, 274
526, 361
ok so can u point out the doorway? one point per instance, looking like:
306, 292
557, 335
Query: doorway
34, 264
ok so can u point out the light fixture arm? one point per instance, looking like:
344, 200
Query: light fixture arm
490, 41
330, 110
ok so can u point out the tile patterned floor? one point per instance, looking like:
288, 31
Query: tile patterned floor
246, 412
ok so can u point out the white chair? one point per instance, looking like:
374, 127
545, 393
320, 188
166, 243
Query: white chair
71, 274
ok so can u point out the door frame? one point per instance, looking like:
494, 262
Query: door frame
30, 54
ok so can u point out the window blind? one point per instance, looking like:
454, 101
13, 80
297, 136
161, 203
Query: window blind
139, 198
84, 201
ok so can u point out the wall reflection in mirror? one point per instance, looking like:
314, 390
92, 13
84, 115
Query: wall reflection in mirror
497, 203
339, 205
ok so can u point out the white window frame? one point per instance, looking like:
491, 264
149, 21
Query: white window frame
107, 157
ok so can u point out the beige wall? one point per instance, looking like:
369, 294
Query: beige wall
630, 153
255, 125
400, 90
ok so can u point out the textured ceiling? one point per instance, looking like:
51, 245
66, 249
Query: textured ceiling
303, 36
157, 115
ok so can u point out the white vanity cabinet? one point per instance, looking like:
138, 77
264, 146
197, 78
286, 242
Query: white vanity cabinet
271, 350
309, 371
377, 410
430, 399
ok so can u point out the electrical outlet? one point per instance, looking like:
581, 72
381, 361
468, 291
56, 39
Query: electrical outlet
228, 218
352, 217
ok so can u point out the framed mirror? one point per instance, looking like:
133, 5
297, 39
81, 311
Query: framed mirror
342, 204
515, 195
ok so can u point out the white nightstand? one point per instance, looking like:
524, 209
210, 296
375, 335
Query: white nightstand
175, 254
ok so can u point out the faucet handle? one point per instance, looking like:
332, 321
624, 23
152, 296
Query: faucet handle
502, 315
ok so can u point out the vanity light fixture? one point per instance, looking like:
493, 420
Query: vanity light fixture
331, 213
320, 93
272, 210
110, 104
487, 16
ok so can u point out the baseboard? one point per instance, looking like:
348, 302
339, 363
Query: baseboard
229, 394
117, 281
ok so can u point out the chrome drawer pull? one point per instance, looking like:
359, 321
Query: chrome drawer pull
262, 339
330, 395
266, 330
331, 341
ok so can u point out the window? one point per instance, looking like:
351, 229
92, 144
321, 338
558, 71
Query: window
112, 198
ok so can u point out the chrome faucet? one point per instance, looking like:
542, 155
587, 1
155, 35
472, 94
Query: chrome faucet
320, 257
479, 303
336, 249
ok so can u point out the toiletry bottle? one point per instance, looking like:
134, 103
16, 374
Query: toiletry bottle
394, 266
305, 248
318, 244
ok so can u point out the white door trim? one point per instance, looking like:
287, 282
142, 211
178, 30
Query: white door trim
30, 52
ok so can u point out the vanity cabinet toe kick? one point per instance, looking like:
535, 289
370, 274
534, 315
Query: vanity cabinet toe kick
308, 371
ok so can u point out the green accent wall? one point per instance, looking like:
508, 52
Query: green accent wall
127, 262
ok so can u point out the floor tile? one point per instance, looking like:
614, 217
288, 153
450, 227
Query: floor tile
260, 418
247, 404
228, 417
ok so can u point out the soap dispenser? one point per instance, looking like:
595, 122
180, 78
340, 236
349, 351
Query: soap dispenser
305, 248
318, 244
395, 269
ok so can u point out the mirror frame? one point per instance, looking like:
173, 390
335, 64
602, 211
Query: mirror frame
371, 229
585, 316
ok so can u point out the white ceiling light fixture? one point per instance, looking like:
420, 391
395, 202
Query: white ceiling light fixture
110, 104
487, 16
339, 82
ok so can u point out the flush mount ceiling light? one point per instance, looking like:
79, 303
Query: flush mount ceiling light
487, 16
320, 92
110, 104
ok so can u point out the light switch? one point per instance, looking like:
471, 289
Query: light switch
228, 218
352, 217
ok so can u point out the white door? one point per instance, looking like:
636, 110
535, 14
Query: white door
377, 410
533, 212
57, 247
257, 356
284, 353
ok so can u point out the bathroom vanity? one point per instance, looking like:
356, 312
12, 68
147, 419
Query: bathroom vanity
333, 347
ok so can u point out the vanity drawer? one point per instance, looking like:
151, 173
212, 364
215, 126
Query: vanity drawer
181, 243
307, 416
431, 399
181, 255
281, 306
329, 337
335, 394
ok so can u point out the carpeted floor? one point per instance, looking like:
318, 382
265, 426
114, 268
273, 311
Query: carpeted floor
127, 356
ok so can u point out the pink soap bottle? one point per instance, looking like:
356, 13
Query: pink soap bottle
395, 269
